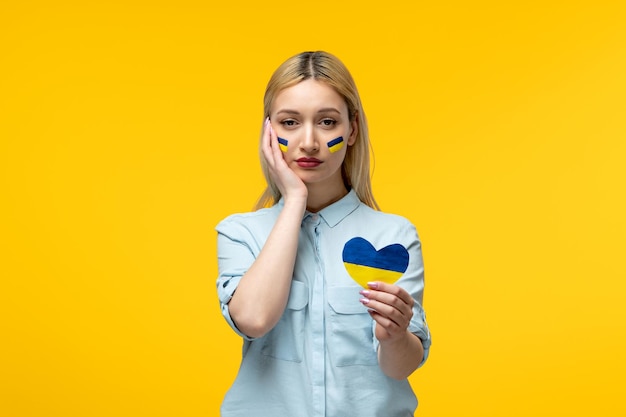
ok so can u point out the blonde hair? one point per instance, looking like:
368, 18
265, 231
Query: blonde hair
324, 67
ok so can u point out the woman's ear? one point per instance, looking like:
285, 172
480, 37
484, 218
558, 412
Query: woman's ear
354, 126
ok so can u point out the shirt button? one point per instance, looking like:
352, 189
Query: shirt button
314, 217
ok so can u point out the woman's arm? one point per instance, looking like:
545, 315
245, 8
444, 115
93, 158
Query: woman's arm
262, 293
400, 352
399, 359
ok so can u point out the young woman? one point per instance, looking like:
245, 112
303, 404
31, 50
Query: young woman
325, 290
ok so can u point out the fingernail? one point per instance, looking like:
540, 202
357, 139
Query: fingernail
364, 300
372, 285
364, 293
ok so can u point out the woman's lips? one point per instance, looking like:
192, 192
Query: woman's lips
308, 162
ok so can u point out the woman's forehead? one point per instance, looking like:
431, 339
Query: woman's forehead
309, 95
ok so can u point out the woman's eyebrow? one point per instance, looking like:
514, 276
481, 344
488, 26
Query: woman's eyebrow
322, 110
288, 111
329, 110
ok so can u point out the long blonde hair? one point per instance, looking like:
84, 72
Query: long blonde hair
324, 67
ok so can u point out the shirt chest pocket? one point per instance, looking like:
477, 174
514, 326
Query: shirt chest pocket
286, 340
352, 339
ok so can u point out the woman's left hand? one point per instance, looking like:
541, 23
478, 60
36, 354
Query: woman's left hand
391, 307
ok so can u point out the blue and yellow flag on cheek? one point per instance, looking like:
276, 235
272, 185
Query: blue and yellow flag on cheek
335, 144
282, 144
365, 264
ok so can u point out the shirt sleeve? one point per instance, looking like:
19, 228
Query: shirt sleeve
414, 281
234, 256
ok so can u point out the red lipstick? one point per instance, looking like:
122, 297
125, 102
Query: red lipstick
308, 162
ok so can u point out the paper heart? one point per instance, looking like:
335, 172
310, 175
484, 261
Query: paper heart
365, 264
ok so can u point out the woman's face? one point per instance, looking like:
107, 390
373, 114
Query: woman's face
312, 122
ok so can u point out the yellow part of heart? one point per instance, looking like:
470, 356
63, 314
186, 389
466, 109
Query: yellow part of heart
363, 274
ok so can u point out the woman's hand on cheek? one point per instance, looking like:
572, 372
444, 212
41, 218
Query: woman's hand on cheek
289, 184
392, 309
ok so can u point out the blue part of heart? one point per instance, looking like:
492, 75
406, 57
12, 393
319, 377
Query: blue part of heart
359, 251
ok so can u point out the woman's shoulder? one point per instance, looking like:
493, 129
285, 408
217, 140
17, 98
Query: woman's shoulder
252, 219
384, 216
383, 221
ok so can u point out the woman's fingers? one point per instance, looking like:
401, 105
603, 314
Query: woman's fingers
392, 289
271, 151
277, 153
389, 326
400, 318
266, 144
285, 179
391, 302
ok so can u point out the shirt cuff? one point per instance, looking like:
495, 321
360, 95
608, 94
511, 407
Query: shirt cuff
225, 289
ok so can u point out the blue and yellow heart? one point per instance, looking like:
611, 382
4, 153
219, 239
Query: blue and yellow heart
365, 264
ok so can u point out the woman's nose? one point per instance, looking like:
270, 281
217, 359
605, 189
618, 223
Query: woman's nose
309, 142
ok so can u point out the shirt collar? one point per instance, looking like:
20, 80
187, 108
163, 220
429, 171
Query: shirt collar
336, 212
339, 210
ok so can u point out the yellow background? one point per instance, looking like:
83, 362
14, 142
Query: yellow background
129, 129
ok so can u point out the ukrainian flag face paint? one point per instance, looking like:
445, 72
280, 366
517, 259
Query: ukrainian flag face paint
365, 264
282, 144
335, 144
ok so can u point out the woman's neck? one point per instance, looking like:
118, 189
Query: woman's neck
321, 196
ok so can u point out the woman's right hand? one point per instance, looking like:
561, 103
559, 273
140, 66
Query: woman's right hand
287, 181
263, 291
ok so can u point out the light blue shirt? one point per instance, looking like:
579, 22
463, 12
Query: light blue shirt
320, 359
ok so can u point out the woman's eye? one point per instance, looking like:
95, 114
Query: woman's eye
329, 122
288, 122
